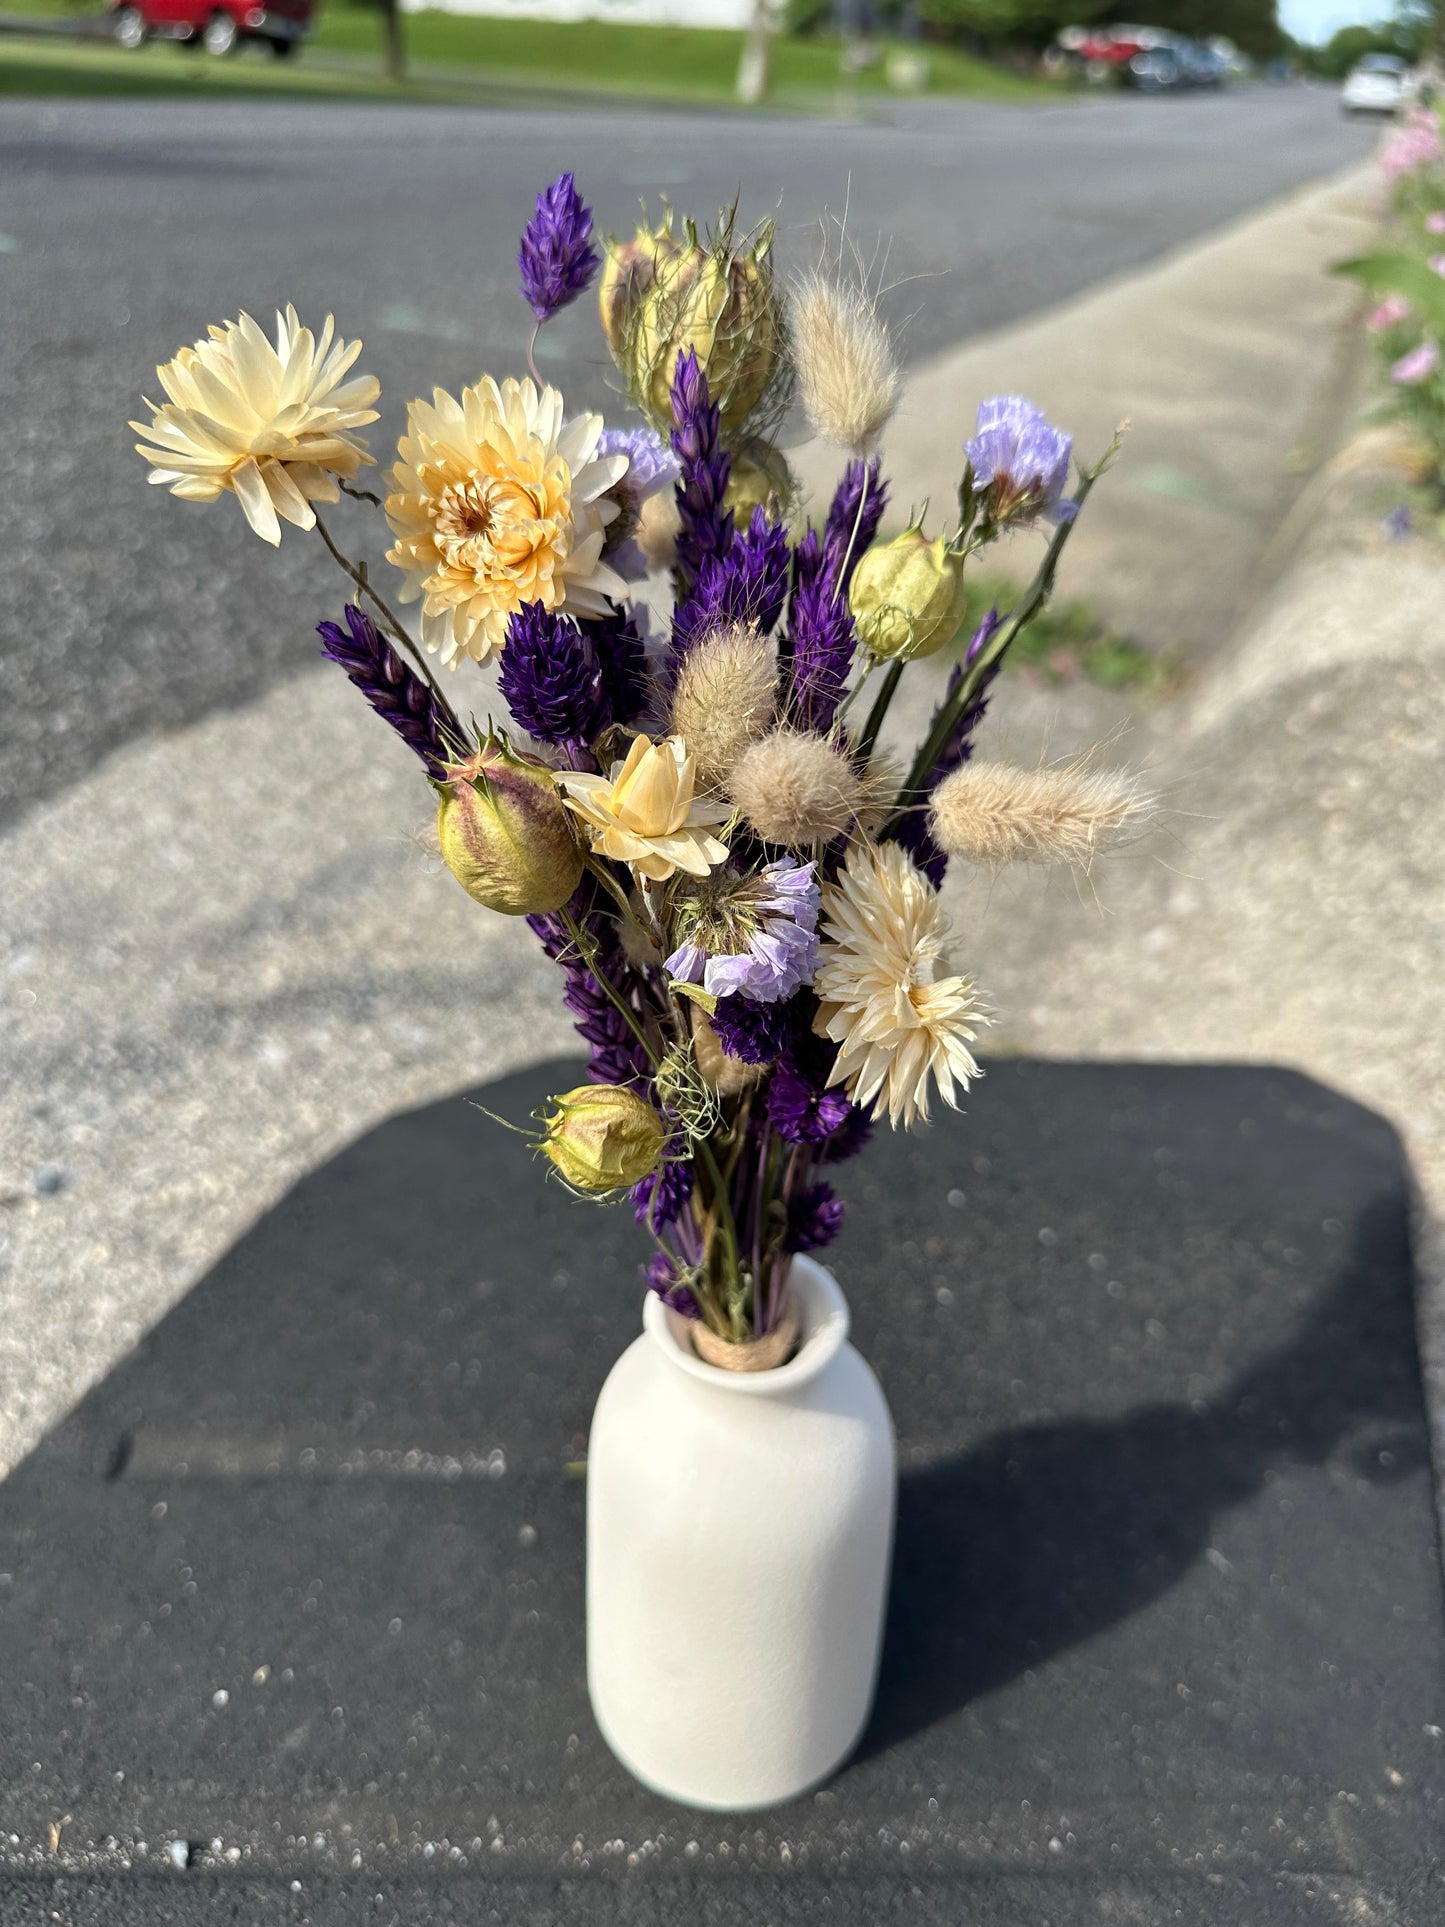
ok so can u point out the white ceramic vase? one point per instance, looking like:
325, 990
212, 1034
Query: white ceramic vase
739, 1537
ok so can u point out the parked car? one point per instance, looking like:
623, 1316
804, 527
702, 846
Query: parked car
1377, 84
217, 25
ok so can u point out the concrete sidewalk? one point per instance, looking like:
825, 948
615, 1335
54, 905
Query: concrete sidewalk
225, 954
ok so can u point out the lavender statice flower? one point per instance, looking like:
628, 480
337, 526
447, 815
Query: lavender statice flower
660, 1275
393, 689
650, 468
705, 521
621, 662
746, 588
757, 1033
557, 258
841, 546
749, 936
660, 1199
802, 1108
815, 1217
1020, 462
617, 1055
913, 831
550, 678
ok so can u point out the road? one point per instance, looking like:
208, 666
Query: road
125, 228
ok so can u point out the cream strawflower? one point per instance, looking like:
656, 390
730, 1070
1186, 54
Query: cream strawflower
644, 812
271, 425
497, 502
896, 1027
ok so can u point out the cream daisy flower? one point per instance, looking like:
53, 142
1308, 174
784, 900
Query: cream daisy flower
645, 814
497, 502
269, 425
894, 1025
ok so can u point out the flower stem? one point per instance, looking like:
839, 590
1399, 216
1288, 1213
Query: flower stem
363, 582
880, 708
587, 950
531, 354
853, 537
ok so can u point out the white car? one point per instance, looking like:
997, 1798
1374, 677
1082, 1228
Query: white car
1378, 84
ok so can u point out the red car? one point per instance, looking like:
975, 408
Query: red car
217, 25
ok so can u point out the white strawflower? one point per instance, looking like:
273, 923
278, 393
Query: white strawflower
895, 1025
496, 502
270, 425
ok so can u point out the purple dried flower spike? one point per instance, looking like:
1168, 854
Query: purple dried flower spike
557, 258
659, 1200
394, 690
706, 522
913, 832
550, 678
617, 1056
746, 586
815, 1217
843, 517
660, 1273
757, 1033
802, 1109
621, 661
1021, 461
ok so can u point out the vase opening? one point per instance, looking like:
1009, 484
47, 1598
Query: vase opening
814, 1301
765, 1354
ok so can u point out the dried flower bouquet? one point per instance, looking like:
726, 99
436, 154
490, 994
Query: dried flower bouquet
741, 895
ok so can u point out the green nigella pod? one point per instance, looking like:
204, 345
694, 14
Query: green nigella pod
602, 1137
506, 835
907, 596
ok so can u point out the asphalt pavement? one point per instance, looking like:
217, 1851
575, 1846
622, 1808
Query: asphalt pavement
125, 228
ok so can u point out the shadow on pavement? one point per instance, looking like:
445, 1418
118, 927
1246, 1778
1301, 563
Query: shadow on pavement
309, 1561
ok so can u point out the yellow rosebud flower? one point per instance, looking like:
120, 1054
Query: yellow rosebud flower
907, 596
602, 1137
505, 833
645, 812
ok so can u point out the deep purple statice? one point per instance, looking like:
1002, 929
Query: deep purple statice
557, 258
815, 1217
746, 587
1020, 462
659, 1200
841, 547
705, 520
758, 1033
913, 832
801, 1108
551, 679
621, 662
617, 1056
393, 689
660, 1275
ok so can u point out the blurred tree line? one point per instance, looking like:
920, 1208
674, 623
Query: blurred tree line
1416, 30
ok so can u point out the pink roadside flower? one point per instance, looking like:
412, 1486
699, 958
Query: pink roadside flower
1415, 145
1391, 310
1415, 367
1435, 223
1437, 262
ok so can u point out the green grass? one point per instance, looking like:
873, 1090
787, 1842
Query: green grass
1066, 643
464, 57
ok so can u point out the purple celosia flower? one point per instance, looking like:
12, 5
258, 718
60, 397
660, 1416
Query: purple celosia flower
749, 936
848, 1139
747, 586
1021, 460
705, 520
550, 678
821, 643
393, 689
913, 832
650, 468
802, 1109
757, 1033
557, 258
815, 1217
660, 1275
839, 539
621, 662
659, 1200
1417, 366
